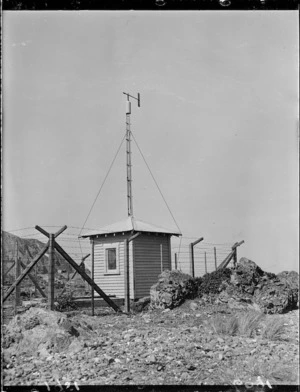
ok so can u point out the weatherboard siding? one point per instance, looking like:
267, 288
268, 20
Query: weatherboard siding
111, 284
144, 263
147, 261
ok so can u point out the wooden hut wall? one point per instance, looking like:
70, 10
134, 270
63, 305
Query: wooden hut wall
147, 261
131, 270
110, 283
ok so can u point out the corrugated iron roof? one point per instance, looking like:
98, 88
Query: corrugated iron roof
130, 224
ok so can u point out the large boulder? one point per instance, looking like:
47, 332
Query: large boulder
246, 275
172, 288
291, 278
275, 296
251, 287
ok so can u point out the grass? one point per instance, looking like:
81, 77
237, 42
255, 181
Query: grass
246, 325
249, 323
225, 325
274, 372
274, 329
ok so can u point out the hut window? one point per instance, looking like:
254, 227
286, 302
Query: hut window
111, 259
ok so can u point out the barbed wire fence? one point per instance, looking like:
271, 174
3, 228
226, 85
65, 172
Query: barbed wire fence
77, 248
206, 254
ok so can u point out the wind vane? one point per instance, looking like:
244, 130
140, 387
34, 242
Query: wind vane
128, 151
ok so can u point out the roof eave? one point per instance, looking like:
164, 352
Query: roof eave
128, 231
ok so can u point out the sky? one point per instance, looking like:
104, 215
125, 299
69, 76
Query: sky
218, 123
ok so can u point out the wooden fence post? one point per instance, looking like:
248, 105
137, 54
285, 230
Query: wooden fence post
93, 276
191, 247
205, 262
35, 276
51, 270
215, 252
176, 261
17, 274
161, 259
192, 265
126, 278
51, 273
235, 257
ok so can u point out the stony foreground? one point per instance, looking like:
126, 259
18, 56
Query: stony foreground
178, 346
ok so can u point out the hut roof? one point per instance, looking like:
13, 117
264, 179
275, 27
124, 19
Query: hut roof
130, 224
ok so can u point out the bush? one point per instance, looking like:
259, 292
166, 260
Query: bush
65, 303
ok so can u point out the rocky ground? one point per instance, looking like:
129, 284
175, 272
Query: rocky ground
179, 346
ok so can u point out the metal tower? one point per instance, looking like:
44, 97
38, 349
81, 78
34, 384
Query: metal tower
128, 152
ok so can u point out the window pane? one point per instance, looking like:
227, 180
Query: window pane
111, 259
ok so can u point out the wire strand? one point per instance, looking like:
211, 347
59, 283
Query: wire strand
155, 181
111, 165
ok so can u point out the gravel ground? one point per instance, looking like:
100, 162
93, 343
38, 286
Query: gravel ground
177, 347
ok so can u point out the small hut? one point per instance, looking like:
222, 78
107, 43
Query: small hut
149, 255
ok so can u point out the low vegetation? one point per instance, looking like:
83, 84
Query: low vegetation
65, 302
274, 329
250, 324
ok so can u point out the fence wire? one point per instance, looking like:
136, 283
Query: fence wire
78, 248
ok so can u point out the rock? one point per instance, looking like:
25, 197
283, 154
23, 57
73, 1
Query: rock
171, 290
43, 352
68, 327
290, 278
75, 347
140, 305
193, 306
250, 288
274, 298
247, 273
151, 359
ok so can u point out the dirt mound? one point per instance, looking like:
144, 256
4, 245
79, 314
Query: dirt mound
41, 332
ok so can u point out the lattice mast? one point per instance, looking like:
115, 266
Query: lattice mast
128, 152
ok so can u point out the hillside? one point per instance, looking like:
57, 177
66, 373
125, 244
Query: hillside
28, 248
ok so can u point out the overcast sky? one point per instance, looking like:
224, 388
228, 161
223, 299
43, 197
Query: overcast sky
218, 123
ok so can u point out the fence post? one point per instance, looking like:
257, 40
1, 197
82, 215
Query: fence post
161, 259
205, 262
126, 277
176, 261
235, 258
215, 252
35, 275
93, 273
51, 273
17, 274
192, 265
234, 248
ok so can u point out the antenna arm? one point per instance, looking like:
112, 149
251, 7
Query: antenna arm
138, 98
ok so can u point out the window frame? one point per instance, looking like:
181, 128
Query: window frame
108, 271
